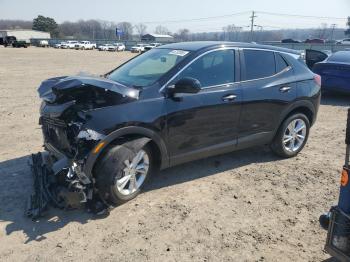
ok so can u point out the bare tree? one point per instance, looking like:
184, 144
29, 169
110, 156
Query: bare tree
347, 31
126, 29
141, 29
232, 32
184, 34
15, 24
322, 31
161, 30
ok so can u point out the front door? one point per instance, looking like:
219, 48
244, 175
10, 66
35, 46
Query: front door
202, 124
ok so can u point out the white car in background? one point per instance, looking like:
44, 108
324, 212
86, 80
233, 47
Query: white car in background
59, 45
138, 48
151, 46
44, 43
69, 45
119, 47
85, 45
344, 41
107, 47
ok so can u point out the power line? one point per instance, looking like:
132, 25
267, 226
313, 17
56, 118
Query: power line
239, 17
302, 16
242, 13
195, 19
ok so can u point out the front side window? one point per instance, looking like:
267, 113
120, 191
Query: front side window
148, 68
215, 68
259, 64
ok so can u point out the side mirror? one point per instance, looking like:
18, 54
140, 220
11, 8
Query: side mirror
187, 85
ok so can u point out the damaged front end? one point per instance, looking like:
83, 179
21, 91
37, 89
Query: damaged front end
70, 135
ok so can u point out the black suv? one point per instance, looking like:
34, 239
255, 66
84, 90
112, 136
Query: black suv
175, 103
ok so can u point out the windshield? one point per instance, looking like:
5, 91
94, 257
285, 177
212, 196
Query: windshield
148, 68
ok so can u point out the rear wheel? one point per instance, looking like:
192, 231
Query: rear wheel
291, 136
123, 171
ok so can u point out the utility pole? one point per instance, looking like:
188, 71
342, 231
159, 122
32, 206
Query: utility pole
252, 26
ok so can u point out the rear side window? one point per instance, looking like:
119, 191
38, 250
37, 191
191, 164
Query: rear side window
259, 64
281, 64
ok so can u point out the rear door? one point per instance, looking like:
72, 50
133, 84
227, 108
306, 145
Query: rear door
314, 56
268, 89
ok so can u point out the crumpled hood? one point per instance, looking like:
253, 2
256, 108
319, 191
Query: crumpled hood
50, 88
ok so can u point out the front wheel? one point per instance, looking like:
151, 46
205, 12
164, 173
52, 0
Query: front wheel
123, 171
292, 136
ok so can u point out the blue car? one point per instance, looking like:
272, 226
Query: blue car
335, 72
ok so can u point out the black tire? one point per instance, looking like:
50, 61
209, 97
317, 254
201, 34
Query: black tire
110, 168
277, 144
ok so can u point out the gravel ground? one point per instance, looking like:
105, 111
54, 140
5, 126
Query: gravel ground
243, 206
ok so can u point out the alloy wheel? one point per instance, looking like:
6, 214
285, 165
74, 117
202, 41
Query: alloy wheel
134, 174
294, 135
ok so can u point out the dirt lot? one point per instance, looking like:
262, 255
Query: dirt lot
243, 206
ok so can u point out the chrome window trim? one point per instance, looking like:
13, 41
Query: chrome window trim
192, 61
266, 77
220, 85
236, 82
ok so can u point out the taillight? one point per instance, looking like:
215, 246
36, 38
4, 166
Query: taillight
317, 79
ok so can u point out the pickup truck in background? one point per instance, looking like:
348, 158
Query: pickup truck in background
69, 45
85, 45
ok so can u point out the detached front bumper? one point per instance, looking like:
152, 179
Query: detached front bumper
56, 183
44, 183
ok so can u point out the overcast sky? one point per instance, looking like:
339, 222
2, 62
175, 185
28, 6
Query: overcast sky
163, 11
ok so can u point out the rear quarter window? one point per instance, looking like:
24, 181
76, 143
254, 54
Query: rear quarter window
281, 64
259, 64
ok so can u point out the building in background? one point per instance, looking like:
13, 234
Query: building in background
22, 35
157, 38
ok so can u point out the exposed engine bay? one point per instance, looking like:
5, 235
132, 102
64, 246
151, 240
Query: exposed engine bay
59, 174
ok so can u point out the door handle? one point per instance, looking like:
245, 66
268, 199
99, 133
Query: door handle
285, 89
229, 98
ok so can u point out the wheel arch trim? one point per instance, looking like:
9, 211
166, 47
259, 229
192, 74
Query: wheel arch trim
298, 105
130, 130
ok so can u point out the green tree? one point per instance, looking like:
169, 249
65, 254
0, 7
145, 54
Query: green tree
46, 24
347, 31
